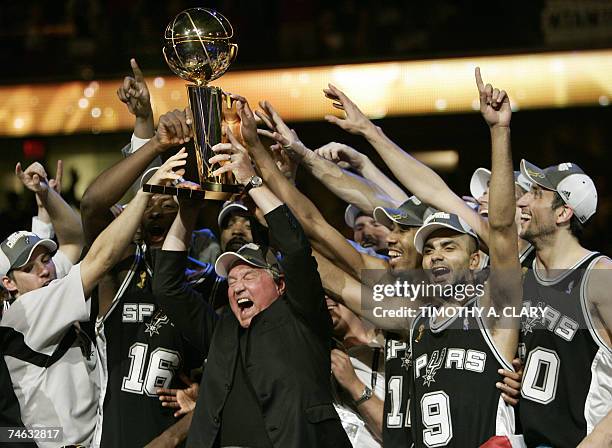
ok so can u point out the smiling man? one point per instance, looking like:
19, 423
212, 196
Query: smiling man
571, 404
50, 357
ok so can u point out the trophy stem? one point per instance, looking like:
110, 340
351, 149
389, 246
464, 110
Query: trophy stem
205, 103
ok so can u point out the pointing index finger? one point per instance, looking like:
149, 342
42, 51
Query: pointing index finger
479, 82
59, 171
136, 70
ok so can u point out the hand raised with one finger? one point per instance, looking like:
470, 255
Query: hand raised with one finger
494, 103
135, 93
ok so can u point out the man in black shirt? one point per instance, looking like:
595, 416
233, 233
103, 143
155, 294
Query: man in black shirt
267, 377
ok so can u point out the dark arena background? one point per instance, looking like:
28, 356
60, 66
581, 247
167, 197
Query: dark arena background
409, 64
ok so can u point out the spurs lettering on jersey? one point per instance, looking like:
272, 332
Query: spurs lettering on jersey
551, 319
393, 351
398, 362
427, 366
137, 312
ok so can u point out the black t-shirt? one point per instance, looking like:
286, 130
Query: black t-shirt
242, 422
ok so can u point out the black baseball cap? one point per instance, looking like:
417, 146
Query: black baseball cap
252, 254
576, 189
230, 208
17, 249
411, 213
440, 220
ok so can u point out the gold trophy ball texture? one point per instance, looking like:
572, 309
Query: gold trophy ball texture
197, 45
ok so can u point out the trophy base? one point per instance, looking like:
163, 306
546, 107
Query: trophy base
210, 191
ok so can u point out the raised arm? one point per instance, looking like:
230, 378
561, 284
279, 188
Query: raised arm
366, 301
108, 188
41, 223
109, 246
416, 177
135, 94
186, 307
349, 187
346, 157
504, 285
66, 222
323, 236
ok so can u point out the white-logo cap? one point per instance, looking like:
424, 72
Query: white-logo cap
579, 193
576, 189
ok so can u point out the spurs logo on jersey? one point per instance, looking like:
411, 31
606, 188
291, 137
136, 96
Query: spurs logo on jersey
142, 352
398, 371
156, 323
564, 389
451, 358
551, 319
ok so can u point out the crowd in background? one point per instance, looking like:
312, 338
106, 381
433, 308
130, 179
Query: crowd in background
93, 37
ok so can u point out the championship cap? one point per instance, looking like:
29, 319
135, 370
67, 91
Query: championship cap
251, 254
17, 249
440, 220
229, 208
575, 188
351, 214
411, 213
482, 176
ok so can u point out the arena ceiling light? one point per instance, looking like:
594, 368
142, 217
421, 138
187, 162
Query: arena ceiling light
437, 86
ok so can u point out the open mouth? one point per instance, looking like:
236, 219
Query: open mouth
484, 213
244, 303
394, 256
156, 233
525, 218
394, 253
440, 273
367, 242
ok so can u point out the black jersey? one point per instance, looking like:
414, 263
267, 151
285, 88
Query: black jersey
454, 399
396, 430
567, 382
141, 350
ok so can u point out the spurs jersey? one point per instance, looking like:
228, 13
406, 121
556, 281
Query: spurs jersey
567, 382
141, 351
454, 399
396, 430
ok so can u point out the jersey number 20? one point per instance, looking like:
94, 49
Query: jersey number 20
540, 377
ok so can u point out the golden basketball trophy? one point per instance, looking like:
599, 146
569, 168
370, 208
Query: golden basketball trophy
198, 48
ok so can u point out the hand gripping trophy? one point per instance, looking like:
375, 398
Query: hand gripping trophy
198, 49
